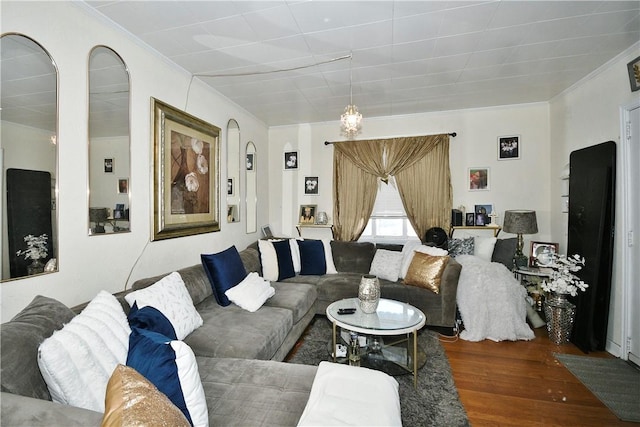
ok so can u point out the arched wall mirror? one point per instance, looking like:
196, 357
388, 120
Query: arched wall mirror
251, 182
28, 157
109, 148
233, 171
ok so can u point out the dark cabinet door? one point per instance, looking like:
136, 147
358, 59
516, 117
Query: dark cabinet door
28, 212
591, 230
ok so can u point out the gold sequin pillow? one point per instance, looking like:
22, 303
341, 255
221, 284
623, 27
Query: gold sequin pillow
426, 271
133, 401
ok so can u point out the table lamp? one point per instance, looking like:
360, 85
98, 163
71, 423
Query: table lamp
520, 222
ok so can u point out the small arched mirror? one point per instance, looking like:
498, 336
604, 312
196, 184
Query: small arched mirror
251, 181
233, 171
28, 157
109, 152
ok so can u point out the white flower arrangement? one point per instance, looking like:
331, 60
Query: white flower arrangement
36, 247
563, 280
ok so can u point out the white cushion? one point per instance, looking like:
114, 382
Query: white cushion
295, 255
343, 395
251, 293
170, 296
386, 264
77, 361
328, 254
483, 247
409, 250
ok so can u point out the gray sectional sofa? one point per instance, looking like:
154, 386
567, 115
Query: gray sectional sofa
238, 352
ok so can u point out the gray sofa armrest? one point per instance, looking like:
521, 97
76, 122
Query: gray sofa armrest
27, 411
449, 291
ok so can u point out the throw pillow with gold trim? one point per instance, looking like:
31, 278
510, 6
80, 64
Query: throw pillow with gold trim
132, 400
426, 271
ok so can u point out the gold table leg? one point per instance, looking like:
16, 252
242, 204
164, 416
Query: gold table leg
415, 359
333, 349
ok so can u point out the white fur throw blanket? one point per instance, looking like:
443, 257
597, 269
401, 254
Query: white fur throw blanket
491, 302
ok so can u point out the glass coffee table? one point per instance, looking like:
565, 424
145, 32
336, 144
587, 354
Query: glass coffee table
395, 323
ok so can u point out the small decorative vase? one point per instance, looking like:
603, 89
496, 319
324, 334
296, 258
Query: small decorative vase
560, 314
35, 267
322, 218
369, 293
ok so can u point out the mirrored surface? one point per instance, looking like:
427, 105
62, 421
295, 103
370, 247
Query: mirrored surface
29, 157
233, 171
109, 151
251, 195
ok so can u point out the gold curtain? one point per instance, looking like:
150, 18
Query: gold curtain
425, 190
414, 161
354, 193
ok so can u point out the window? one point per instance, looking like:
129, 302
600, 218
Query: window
388, 222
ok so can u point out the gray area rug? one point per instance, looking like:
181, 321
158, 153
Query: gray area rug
615, 382
434, 403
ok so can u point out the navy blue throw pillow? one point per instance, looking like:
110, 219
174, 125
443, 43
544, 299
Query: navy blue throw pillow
151, 319
224, 270
285, 261
312, 259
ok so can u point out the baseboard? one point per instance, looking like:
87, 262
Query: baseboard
448, 331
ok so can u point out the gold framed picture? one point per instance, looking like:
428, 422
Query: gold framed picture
186, 173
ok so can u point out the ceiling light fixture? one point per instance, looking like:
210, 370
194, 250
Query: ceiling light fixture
351, 119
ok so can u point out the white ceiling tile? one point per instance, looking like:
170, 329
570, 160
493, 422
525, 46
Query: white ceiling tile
418, 27
272, 23
229, 32
468, 19
346, 39
455, 45
323, 15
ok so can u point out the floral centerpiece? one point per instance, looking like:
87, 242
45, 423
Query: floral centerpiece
36, 249
562, 278
559, 312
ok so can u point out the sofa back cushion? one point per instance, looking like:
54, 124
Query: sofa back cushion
504, 251
251, 260
353, 257
20, 338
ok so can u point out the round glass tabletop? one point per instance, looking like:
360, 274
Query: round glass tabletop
391, 317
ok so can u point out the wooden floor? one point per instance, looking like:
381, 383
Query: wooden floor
522, 384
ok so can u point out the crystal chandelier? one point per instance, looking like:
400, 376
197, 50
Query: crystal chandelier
351, 119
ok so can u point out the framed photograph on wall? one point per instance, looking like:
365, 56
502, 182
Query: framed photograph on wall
291, 160
123, 186
186, 174
308, 214
251, 159
229, 186
509, 147
108, 165
478, 178
311, 185
541, 254
634, 74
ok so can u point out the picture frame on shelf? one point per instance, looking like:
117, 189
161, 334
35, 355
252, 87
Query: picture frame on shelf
483, 213
470, 219
232, 213
291, 160
478, 178
229, 186
250, 161
541, 254
266, 231
311, 185
186, 173
308, 214
509, 147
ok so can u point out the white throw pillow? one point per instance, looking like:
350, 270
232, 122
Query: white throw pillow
251, 293
386, 264
77, 361
328, 254
408, 254
170, 296
483, 247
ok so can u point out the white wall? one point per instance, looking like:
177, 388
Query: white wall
514, 184
585, 115
88, 264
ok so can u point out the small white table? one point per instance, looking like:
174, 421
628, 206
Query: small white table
391, 318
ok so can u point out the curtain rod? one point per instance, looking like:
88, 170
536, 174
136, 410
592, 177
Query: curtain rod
452, 134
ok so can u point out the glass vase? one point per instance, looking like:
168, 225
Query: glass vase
560, 314
369, 293
35, 267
